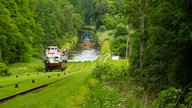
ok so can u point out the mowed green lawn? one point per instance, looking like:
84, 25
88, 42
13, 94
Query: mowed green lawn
24, 81
67, 93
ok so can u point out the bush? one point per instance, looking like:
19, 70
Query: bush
101, 96
119, 45
100, 71
109, 73
121, 30
3, 69
102, 29
167, 98
188, 99
111, 33
109, 21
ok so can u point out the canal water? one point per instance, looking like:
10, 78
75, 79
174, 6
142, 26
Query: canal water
80, 54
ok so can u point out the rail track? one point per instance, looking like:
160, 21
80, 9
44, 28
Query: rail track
35, 89
38, 88
74, 68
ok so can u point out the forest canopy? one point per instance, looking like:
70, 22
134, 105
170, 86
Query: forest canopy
27, 26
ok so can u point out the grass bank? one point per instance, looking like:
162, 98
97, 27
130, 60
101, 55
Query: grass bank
110, 84
111, 87
34, 65
70, 43
67, 93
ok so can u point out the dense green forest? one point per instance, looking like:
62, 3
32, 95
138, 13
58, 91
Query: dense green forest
158, 33
161, 49
27, 26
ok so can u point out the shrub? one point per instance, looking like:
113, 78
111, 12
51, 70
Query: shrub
119, 45
102, 29
167, 98
100, 71
121, 30
101, 96
188, 99
109, 73
3, 69
109, 21
111, 33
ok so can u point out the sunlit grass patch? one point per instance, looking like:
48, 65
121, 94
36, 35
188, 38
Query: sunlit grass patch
107, 35
120, 62
35, 65
25, 81
105, 48
61, 94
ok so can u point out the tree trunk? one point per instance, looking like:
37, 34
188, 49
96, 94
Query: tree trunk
142, 34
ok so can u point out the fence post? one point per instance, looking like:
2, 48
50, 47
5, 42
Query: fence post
33, 81
16, 86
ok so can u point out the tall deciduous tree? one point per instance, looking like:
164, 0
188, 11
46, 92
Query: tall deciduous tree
26, 26
142, 33
166, 58
15, 44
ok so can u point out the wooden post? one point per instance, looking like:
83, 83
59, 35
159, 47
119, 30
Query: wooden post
16, 86
33, 81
